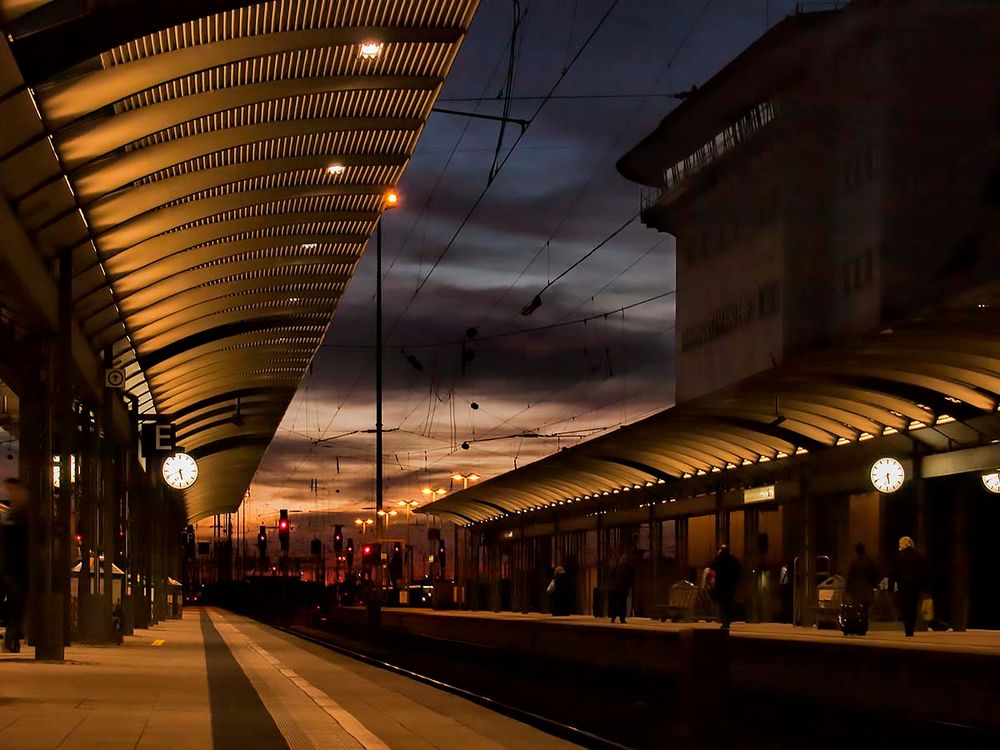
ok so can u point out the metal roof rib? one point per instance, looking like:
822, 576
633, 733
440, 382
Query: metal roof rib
199, 154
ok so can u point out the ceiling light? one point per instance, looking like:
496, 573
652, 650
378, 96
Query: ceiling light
336, 169
370, 50
310, 245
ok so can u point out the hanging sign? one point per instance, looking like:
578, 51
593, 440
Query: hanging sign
759, 494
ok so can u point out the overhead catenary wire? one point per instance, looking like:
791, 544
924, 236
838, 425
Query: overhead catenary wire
590, 252
483, 193
520, 331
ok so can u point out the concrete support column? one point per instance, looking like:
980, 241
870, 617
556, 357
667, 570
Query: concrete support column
923, 510
721, 521
806, 583
681, 544
87, 493
160, 520
45, 621
961, 562
751, 546
655, 553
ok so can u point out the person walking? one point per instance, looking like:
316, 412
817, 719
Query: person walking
862, 578
727, 570
909, 578
14, 561
621, 583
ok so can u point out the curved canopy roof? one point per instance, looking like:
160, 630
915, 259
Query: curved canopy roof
216, 181
938, 372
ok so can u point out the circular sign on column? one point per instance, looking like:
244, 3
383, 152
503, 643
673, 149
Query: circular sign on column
180, 471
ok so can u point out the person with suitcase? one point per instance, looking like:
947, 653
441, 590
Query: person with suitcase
859, 592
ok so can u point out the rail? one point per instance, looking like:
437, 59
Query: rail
550, 726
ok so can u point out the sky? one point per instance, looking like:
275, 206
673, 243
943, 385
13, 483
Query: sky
556, 197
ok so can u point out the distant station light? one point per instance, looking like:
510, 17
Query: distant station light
371, 49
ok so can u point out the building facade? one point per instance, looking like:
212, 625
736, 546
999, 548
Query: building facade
821, 185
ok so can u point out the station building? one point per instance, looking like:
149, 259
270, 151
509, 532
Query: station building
834, 192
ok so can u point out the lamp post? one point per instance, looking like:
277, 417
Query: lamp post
386, 516
409, 505
363, 523
465, 478
390, 200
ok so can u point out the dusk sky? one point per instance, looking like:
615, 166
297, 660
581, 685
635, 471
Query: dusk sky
557, 196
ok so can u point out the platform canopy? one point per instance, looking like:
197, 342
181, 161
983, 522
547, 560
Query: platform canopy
215, 168
935, 379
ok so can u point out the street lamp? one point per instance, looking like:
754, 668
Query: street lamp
409, 505
429, 491
465, 478
389, 200
386, 516
363, 523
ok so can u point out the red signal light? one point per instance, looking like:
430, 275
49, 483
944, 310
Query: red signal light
283, 524
367, 550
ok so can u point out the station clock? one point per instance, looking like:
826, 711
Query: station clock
180, 471
991, 482
887, 474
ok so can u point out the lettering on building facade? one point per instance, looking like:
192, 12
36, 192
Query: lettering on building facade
759, 303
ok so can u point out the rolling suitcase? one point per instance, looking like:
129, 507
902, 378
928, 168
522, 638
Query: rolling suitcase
853, 619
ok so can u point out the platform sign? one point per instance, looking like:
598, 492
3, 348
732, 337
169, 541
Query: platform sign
158, 438
758, 494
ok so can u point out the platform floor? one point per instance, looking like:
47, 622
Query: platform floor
216, 680
970, 641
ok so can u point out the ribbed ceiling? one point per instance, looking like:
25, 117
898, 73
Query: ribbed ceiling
211, 244
932, 378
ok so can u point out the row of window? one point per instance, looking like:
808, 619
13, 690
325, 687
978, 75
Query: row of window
728, 138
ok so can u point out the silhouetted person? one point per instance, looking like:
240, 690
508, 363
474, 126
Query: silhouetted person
621, 582
14, 561
559, 592
862, 577
396, 569
909, 578
727, 571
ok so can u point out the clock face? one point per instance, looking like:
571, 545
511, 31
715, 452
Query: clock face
180, 471
992, 482
887, 475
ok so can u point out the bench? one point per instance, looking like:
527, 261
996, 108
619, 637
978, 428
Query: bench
686, 602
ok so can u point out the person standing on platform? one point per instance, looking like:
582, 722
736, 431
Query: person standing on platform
727, 571
621, 583
559, 593
909, 578
862, 578
14, 561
